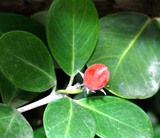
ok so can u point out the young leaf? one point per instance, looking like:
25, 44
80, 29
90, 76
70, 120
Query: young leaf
64, 118
26, 62
13, 96
129, 44
11, 21
72, 31
13, 124
117, 118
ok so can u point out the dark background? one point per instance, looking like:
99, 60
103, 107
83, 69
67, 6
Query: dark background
28, 7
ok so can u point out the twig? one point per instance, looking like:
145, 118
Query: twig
43, 101
70, 82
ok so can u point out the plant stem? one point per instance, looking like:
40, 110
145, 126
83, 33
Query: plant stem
49, 98
43, 101
70, 82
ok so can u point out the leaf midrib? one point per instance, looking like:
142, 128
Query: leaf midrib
101, 113
131, 44
74, 32
9, 125
73, 38
69, 119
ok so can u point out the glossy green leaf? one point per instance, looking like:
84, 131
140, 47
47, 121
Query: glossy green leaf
64, 118
72, 31
129, 44
11, 21
13, 96
39, 133
117, 118
26, 62
13, 124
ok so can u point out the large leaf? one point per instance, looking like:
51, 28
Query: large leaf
64, 118
26, 62
13, 124
129, 44
72, 31
117, 118
11, 21
13, 96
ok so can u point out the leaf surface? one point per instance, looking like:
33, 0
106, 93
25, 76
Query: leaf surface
157, 131
11, 95
39, 133
129, 44
63, 118
72, 31
12, 21
13, 124
26, 61
117, 118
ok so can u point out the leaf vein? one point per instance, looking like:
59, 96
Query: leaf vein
131, 44
69, 119
103, 114
34, 66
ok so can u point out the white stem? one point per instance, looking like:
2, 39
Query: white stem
40, 102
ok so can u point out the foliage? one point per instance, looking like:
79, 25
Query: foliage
128, 43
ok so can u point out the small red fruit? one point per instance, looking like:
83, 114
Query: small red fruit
96, 76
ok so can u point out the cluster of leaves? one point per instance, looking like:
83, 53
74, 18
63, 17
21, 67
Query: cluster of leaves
127, 43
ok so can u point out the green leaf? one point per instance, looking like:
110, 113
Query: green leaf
13, 124
13, 96
129, 44
157, 131
40, 17
11, 21
65, 118
157, 21
39, 133
117, 118
26, 62
72, 31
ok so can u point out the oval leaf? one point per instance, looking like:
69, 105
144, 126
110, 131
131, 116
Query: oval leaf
11, 21
72, 31
117, 118
13, 124
65, 118
13, 96
129, 44
26, 62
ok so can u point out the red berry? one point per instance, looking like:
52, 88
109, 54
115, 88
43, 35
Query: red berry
96, 76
